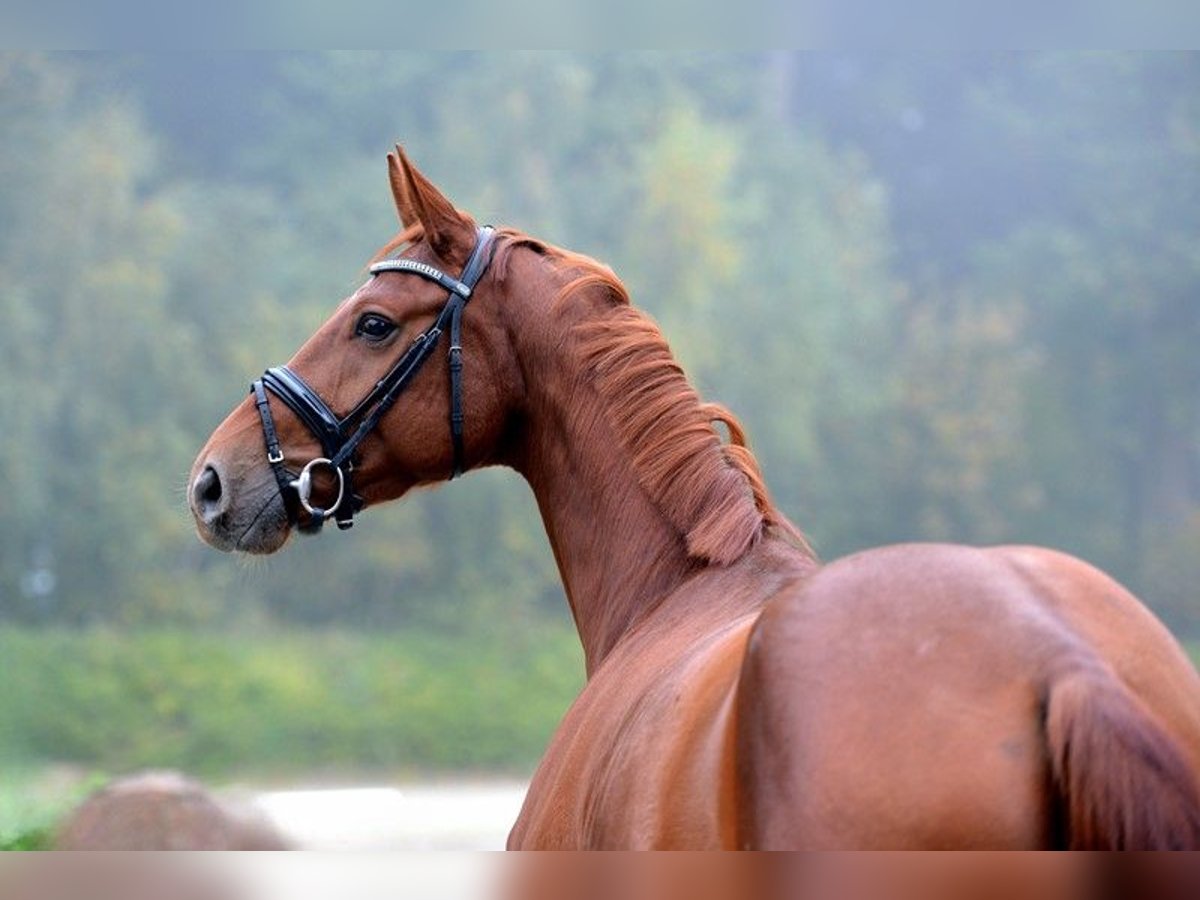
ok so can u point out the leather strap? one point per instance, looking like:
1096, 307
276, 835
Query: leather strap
307, 404
453, 285
274, 452
456, 367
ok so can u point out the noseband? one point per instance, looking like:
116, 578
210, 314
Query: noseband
340, 437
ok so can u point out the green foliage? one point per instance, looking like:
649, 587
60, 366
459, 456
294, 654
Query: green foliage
33, 799
1172, 573
1107, 286
286, 702
914, 357
85, 290
28, 840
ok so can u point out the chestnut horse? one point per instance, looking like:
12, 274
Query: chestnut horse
739, 693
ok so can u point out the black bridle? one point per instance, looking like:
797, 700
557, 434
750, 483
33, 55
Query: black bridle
340, 437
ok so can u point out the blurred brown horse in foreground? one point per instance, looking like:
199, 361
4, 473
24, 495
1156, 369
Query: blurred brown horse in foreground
739, 693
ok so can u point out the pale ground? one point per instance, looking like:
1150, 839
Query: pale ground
474, 815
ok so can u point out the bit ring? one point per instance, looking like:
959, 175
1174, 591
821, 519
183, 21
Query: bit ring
303, 486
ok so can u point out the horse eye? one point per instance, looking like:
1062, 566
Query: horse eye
374, 328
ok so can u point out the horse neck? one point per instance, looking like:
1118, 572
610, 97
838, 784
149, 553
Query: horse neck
617, 554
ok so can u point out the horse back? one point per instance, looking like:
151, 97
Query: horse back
899, 698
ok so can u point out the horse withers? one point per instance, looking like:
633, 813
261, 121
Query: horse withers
739, 693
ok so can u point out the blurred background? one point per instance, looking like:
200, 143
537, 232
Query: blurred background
952, 297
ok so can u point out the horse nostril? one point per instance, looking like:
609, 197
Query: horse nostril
206, 494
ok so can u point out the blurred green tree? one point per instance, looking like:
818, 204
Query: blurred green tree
819, 236
92, 355
1108, 285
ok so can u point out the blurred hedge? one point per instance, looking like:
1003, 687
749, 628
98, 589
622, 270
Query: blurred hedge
295, 702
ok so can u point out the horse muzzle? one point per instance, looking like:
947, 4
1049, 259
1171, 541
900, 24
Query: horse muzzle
237, 514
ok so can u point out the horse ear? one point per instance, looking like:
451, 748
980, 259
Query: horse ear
450, 232
404, 205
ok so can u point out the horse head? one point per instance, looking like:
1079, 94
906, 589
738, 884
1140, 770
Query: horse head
375, 402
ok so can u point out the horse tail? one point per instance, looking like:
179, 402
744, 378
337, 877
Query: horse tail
1121, 779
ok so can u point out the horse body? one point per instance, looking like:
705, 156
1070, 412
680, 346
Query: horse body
924, 680
739, 694
893, 699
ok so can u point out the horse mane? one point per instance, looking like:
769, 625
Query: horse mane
711, 491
